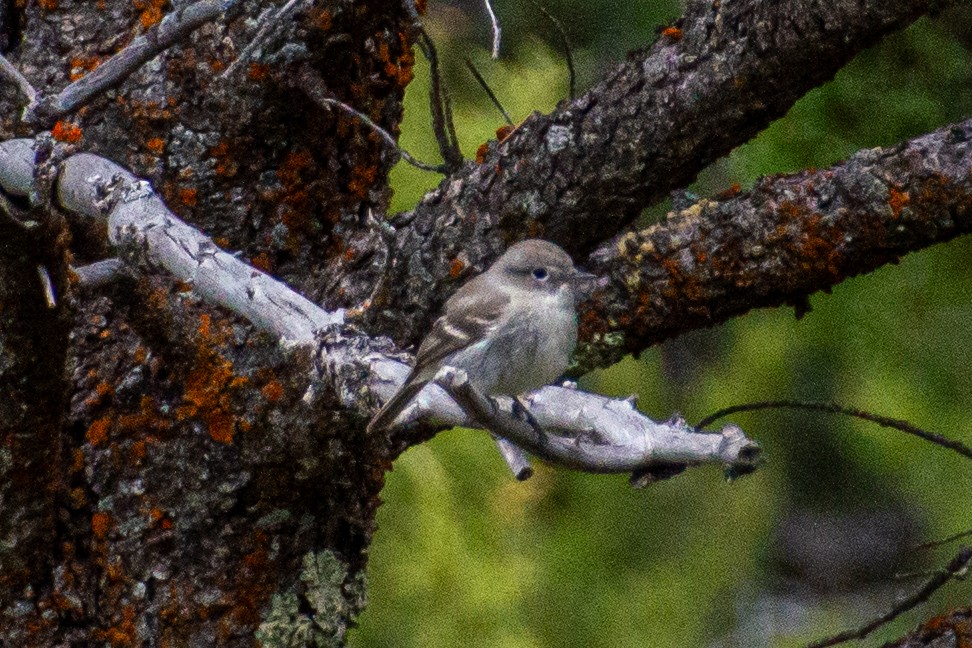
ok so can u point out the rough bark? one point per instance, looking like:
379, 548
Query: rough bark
176, 487
649, 126
788, 237
167, 484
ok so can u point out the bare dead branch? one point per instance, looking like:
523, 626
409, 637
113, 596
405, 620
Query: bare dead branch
99, 273
954, 569
515, 458
588, 452
883, 421
568, 50
269, 21
311, 83
357, 367
12, 74
944, 541
489, 91
833, 408
172, 29
47, 286
94, 187
494, 24
440, 105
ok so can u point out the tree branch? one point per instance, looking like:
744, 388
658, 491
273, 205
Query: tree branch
351, 364
649, 126
789, 237
173, 28
673, 442
954, 569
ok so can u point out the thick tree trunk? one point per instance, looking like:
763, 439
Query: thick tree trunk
168, 476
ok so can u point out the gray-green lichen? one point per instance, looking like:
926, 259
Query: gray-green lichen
320, 613
602, 350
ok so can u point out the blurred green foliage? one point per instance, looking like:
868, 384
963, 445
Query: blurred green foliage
465, 556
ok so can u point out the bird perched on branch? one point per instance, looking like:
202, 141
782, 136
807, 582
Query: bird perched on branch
512, 328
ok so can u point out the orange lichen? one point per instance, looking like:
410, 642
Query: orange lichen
100, 524
156, 145
208, 391
78, 498
225, 164
66, 132
151, 11
272, 391
81, 65
456, 267
481, 152
898, 201
321, 18
98, 431
504, 131
47, 5
189, 197
77, 461
138, 451
205, 325
261, 261
674, 33
222, 242
734, 190
421, 6
362, 178
289, 172
398, 68
258, 71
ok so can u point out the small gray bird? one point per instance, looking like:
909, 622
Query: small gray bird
512, 328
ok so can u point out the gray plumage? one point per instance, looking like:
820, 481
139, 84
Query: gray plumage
512, 328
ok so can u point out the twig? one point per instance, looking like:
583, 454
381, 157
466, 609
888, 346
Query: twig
954, 569
440, 105
99, 273
944, 541
310, 82
267, 23
582, 452
15, 215
568, 51
45, 279
11, 73
883, 421
173, 28
489, 91
515, 458
496, 28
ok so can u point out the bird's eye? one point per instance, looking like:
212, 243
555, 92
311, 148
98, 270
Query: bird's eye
540, 273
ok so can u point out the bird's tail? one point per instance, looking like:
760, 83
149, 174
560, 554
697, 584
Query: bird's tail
390, 411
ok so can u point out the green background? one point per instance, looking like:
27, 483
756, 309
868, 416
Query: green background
810, 543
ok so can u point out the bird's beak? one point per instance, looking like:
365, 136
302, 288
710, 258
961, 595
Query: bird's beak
585, 283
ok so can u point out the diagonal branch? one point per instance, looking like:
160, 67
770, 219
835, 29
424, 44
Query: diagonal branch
788, 237
649, 126
357, 368
172, 29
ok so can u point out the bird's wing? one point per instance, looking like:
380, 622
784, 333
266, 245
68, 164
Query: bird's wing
469, 316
